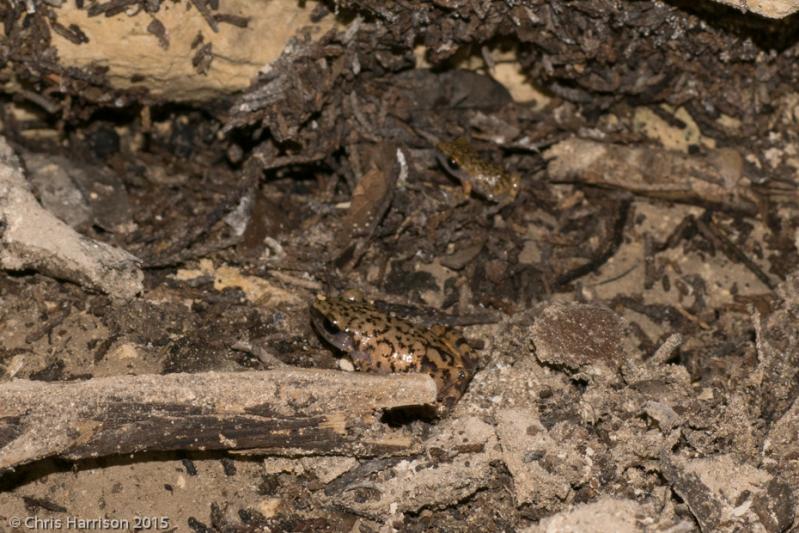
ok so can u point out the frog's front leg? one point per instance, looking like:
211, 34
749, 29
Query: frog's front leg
361, 359
467, 188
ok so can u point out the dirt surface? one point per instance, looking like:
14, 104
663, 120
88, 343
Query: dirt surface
633, 305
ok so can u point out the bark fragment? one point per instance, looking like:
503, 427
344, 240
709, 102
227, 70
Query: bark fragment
285, 412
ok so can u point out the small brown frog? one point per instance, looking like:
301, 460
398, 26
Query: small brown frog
378, 342
490, 181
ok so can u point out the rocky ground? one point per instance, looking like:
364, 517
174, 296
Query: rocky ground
179, 180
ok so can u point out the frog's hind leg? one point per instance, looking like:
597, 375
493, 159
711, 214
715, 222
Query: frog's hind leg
449, 395
456, 344
451, 383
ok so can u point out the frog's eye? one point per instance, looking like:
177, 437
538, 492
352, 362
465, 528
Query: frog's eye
331, 332
323, 322
330, 326
453, 163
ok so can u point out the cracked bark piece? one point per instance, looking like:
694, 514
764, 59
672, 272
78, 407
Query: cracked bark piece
526, 448
778, 352
56, 190
291, 412
726, 495
580, 338
653, 172
370, 201
76, 192
457, 464
464, 255
662, 413
605, 514
31, 238
781, 451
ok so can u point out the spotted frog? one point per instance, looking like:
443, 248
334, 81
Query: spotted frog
379, 342
486, 179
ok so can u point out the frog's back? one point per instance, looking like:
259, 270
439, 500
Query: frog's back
489, 180
393, 344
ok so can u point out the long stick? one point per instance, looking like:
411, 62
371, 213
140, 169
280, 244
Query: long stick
285, 412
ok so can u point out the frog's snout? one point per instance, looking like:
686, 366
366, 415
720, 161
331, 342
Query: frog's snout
329, 331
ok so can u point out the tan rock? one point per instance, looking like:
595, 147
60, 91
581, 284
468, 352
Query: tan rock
525, 446
768, 8
606, 514
124, 45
